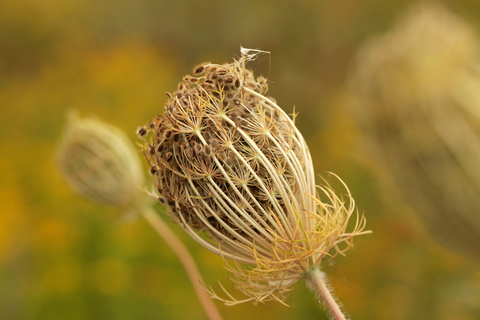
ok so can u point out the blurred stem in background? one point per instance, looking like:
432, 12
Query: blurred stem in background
100, 163
188, 263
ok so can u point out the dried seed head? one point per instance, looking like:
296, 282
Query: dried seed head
254, 194
99, 162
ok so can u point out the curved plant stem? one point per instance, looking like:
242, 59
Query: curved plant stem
188, 263
316, 282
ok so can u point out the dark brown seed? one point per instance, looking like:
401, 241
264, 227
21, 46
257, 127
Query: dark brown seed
141, 131
199, 69
215, 144
154, 169
208, 150
198, 148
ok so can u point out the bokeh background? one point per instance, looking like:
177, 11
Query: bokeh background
63, 257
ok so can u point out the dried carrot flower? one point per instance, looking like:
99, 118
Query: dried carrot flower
228, 162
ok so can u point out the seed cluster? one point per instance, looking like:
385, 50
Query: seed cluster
230, 164
223, 158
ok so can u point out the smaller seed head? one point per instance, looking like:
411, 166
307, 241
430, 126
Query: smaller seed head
99, 161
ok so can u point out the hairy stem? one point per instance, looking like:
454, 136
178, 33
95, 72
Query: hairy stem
316, 281
188, 263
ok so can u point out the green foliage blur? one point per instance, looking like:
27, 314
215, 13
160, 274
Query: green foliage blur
62, 257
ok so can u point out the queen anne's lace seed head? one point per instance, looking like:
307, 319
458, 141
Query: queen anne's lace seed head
231, 164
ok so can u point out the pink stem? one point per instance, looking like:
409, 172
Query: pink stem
188, 263
316, 282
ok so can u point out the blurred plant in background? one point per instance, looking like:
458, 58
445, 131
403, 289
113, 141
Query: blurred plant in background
61, 258
418, 95
100, 163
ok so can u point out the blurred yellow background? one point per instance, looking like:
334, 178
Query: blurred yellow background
62, 257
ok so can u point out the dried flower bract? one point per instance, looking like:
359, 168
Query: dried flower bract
231, 164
